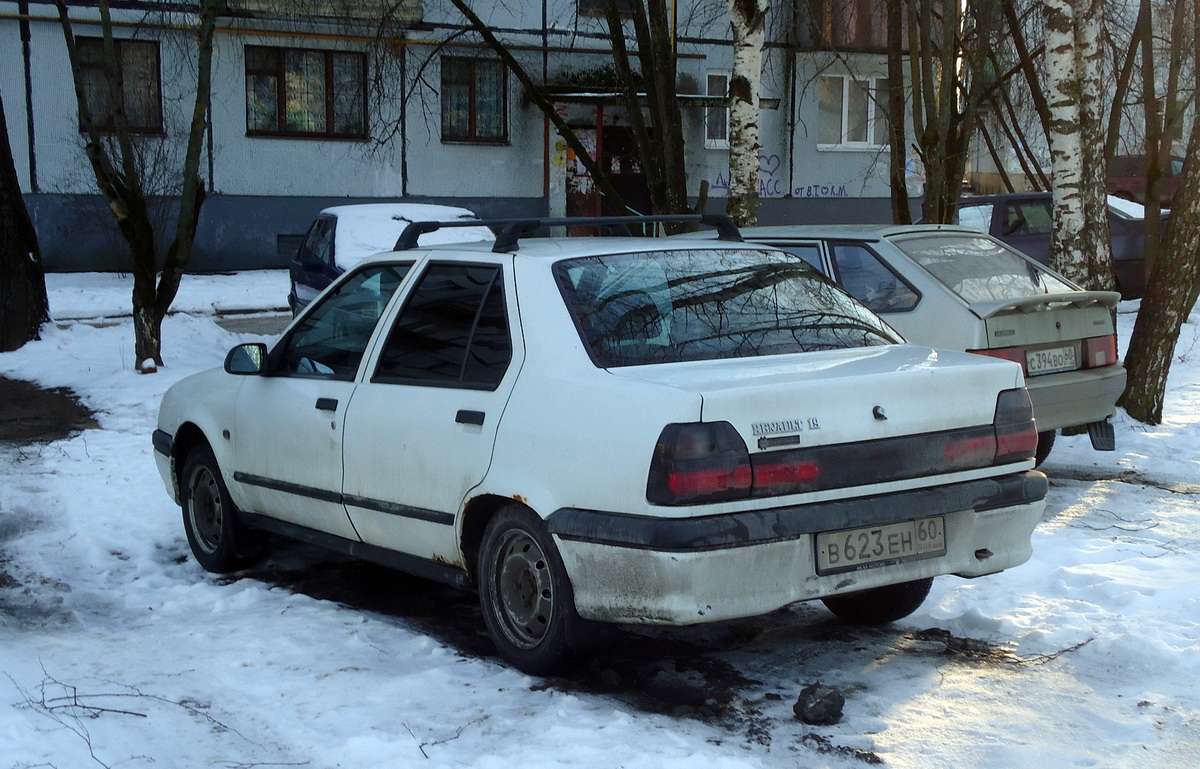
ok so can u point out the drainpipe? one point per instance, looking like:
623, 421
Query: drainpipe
403, 55
27, 55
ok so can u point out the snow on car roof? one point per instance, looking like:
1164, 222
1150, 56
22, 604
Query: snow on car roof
368, 228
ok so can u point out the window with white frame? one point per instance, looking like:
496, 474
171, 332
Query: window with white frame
716, 119
853, 113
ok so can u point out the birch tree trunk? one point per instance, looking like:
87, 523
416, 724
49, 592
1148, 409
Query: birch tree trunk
1093, 113
747, 21
1080, 248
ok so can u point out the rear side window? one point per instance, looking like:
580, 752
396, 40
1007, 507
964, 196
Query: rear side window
866, 278
453, 331
980, 269
809, 252
318, 243
658, 307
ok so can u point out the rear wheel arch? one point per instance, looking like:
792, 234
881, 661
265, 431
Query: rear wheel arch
476, 515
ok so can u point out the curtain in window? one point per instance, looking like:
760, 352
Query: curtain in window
348, 97
262, 89
489, 122
829, 122
304, 72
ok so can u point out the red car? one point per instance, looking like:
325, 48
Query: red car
1127, 179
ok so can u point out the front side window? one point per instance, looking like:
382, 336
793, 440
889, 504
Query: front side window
716, 119
137, 61
330, 340
474, 101
852, 113
866, 278
298, 92
452, 332
659, 307
980, 269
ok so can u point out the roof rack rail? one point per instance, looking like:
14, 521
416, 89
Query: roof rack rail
510, 231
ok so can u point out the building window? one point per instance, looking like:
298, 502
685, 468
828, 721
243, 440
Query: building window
140, 83
474, 101
853, 113
716, 119
848, 25
600, 7
300, 92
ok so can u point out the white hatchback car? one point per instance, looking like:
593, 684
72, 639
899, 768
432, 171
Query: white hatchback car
609, 429
956, 288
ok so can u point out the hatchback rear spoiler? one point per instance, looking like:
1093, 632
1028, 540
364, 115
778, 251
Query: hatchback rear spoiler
1079, 299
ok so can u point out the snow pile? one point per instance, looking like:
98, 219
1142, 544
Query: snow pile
116, 649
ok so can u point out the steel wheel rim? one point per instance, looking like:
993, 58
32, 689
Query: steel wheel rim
523, 593
206, 511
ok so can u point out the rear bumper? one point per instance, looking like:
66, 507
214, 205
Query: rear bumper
1075, 398
687, 571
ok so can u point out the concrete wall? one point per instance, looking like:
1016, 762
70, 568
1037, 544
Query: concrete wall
264, 191
236, 232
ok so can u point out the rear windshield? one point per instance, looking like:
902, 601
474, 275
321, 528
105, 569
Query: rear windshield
703, 304
980, 269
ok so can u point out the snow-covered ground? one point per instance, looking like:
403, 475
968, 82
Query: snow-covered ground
117, 650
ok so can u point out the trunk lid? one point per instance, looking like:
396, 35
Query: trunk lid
840, 396
1047, 318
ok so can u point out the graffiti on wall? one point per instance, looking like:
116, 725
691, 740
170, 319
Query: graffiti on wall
773, 184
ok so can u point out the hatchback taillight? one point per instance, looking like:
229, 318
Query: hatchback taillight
1016, 432
699, 462
1099, 351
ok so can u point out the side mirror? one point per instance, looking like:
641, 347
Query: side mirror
246, 359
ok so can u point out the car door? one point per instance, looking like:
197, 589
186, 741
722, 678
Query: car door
288, 445
419, 432
1026, 224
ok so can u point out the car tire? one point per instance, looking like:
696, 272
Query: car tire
880, 605
526, 597
1045, 443
210, 518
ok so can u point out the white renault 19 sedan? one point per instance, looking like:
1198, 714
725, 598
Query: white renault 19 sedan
631, 430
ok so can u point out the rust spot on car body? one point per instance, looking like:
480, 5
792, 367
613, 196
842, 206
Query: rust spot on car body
520, 499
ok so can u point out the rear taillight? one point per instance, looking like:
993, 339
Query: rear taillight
708, 461
1016, 433
1099, 351
699, 462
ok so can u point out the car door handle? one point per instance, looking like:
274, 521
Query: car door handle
327, 404
465, 417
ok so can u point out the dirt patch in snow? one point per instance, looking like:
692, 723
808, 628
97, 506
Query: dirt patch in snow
29, 413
